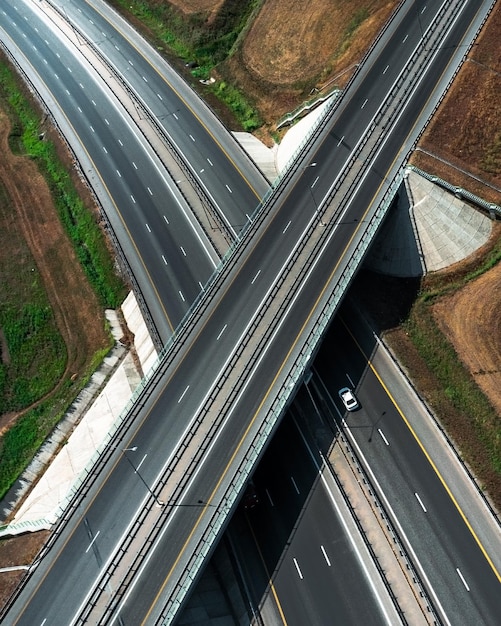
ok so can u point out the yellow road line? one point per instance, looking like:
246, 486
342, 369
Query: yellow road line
425, 452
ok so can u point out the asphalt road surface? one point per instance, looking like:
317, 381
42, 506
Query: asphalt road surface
81, 555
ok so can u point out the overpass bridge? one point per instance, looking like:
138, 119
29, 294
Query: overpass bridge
223, 382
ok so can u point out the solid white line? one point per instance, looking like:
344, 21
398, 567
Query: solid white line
298, 570
462, 579
295, 485
96, 536
420, 502
383, 437
347, 532
221, 332
183, 394
255, 277
325, 555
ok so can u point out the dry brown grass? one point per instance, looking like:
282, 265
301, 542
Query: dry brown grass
466, 131
296, 45
14, 552
197, 6
470, 320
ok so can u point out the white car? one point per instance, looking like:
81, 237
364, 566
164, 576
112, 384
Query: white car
349, 400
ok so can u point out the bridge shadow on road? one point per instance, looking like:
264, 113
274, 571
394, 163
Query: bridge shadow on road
236, 582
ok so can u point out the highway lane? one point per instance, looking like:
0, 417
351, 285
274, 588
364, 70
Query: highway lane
175, 258
319, 573
465, 585
142, 194
189, 384
232, 182
260, 382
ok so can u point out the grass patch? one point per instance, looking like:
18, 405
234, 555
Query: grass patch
239, 105
37, 353
207, 40
491, 163
80, 224
356, 21
462, 406
34, 357
21, 442
457, 399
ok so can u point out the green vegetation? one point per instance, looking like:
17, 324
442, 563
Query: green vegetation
491, 163
20, 443
457, 396
233, 99
197, 39
37, 354
80, 224
34, 362
360, 16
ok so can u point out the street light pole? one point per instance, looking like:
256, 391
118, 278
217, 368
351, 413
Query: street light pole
199, 503
136, 471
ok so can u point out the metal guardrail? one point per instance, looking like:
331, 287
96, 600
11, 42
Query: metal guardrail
458, 191
288, 384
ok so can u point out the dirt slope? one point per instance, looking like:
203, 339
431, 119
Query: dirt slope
77, 312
